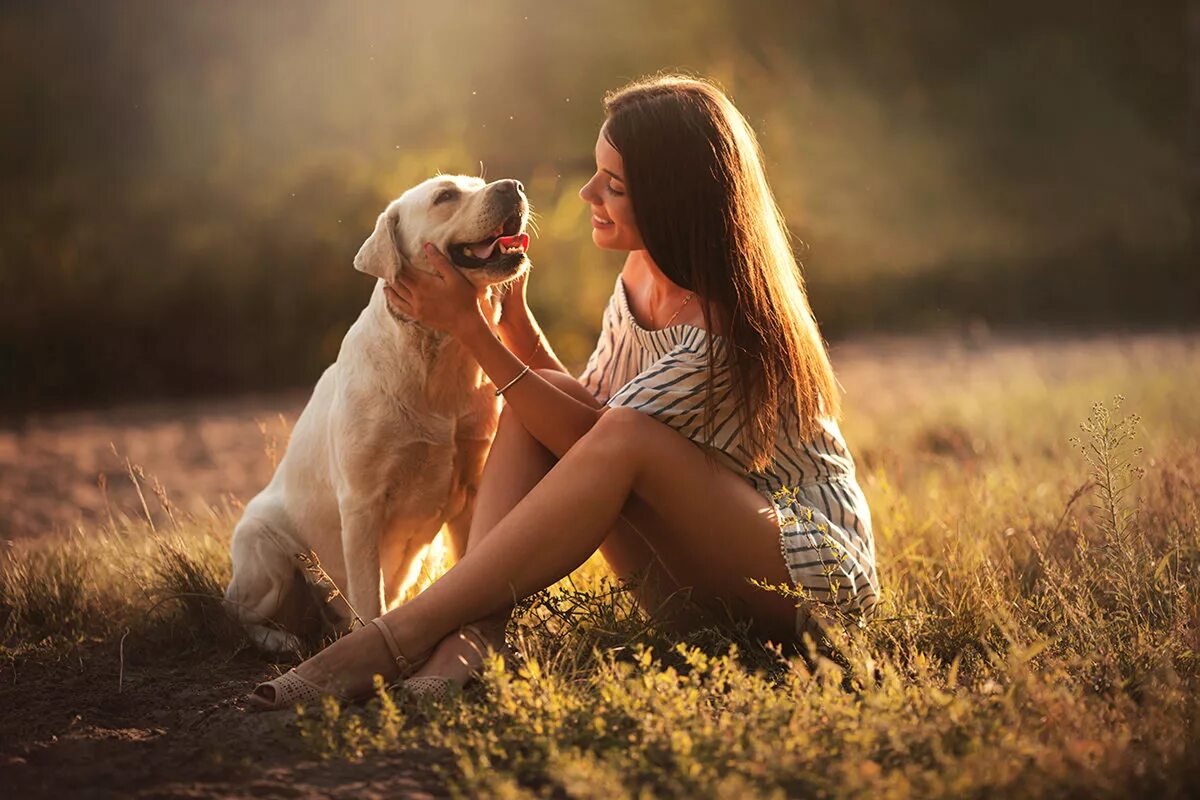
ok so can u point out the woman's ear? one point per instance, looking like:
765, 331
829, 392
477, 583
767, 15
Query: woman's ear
380, 253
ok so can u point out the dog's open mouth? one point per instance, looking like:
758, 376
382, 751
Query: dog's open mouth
505, 246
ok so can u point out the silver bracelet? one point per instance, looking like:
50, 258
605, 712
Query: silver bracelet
520, 375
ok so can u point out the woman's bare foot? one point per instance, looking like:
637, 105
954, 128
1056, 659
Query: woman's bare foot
459, 656
346, 668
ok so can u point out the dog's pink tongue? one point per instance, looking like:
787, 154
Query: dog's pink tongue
517, 240
485, 251
508, 242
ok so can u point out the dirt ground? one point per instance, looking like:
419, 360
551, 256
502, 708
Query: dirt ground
172, 732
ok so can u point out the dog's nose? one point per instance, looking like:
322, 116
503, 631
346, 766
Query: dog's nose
510, 187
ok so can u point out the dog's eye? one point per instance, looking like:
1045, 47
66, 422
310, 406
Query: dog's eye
445, 196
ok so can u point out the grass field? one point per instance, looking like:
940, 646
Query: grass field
1039, 635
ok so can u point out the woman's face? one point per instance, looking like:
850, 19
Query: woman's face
613, 225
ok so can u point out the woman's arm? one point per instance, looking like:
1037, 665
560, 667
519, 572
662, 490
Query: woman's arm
520, 332
553, 417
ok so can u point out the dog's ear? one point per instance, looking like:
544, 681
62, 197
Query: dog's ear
380, 253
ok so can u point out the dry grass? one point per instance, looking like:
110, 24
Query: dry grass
1040, 632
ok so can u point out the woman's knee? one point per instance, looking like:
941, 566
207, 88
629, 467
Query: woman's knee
621, 432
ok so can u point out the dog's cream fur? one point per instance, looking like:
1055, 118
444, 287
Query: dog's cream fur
391, 445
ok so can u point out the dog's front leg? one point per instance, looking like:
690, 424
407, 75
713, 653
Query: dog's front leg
469, 458
361, 526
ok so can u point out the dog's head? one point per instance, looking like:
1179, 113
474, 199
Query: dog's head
479, 226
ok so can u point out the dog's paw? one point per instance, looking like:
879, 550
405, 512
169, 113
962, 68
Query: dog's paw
273, 641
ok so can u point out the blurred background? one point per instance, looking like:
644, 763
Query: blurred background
185, 184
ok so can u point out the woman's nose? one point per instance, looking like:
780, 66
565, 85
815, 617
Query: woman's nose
585, 191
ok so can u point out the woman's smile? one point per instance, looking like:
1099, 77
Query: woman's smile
613, 224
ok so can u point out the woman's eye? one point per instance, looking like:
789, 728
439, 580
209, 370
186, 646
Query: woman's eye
614, 190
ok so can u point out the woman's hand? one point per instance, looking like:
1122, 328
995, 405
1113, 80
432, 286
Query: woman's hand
446, 301
513, 306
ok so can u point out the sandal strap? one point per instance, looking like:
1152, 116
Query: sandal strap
483, 641
402, 661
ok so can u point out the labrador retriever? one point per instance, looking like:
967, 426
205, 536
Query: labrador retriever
391, 445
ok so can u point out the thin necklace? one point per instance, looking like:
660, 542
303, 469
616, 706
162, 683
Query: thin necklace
686, 300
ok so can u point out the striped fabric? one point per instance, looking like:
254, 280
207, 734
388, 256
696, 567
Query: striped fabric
824, 522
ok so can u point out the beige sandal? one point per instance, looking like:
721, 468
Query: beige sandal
292, 688
437, 687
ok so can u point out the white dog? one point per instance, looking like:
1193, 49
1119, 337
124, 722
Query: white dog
391, 445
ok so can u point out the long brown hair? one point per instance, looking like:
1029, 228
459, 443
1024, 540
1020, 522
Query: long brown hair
694, 173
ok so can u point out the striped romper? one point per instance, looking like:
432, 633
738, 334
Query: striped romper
824, 523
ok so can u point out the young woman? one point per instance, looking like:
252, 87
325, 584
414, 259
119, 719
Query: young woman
699, 448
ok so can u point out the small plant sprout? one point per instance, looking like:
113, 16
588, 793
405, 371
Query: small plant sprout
321, 578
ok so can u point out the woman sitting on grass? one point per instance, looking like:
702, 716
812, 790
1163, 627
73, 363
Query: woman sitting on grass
698, 450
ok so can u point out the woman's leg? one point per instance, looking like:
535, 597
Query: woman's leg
713, 527
515, 464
